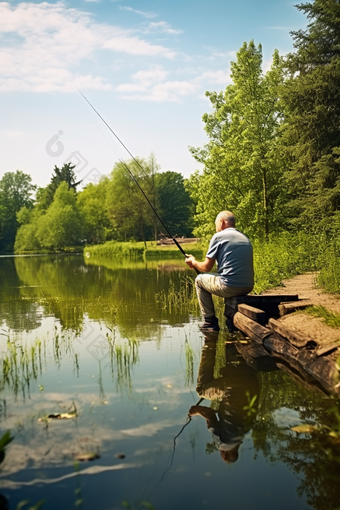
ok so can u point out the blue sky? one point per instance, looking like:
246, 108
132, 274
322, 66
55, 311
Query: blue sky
144, 65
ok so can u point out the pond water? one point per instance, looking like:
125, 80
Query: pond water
96, 344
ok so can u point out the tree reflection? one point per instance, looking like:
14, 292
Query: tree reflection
314, 457
67, 288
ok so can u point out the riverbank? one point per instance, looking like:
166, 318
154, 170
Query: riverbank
322, 321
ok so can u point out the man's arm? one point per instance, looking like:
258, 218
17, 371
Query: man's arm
206, 413
203, 267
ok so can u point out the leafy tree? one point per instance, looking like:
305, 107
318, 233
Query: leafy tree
311, 96
175, 204
92, 205
61, 225
130, 215
242, 160
16, 191
63, 174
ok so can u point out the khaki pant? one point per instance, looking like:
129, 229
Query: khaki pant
209, 283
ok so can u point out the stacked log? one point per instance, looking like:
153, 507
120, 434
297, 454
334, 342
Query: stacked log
257, 317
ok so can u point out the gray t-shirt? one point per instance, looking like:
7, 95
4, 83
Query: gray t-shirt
233, 253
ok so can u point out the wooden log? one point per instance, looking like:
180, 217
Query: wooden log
251, 328
327, 348
268, 303
323, 369
256, 356
293, 306
294, 337
253, 313
278, 345
303, 378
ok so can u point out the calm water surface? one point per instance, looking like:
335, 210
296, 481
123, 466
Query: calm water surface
95, 342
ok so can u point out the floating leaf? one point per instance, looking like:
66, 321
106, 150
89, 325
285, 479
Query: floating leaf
85, 457
305, 429
71, 413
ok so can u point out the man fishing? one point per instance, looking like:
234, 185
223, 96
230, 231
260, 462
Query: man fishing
233, 253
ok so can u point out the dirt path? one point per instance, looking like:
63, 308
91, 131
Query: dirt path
305, 287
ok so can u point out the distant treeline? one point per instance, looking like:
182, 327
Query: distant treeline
272, 157
113, 209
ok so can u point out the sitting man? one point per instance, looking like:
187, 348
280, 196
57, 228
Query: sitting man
233, 253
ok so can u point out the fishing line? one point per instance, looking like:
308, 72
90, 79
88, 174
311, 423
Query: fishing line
131, 173
173, 451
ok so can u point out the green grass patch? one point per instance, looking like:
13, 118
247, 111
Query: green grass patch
116, 249
137, 250
330, 318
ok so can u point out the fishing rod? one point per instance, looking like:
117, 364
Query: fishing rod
133, 176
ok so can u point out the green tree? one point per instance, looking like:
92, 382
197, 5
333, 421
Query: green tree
130, 215
92, 205
242, 161
61, 226
16, 190
59, 175
311, 96
175, 204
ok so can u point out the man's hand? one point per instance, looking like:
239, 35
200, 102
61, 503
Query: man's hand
189, 259
205, 412
194, 410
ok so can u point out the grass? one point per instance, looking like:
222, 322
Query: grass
330, 318
140, 251
179, 298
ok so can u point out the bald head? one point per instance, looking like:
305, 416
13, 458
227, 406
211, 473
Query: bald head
225, 219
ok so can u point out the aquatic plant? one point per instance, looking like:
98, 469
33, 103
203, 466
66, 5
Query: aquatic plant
19, 366
189, 364
179, 297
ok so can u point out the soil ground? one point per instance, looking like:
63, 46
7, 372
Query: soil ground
305, 287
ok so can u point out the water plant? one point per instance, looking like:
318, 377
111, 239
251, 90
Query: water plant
179, 297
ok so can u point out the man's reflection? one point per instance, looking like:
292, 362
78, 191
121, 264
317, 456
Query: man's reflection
231, 385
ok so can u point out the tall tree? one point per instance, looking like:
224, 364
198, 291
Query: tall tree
311, 96
129, 213
61, 226
93, 209
64, 174
175, 204
16, 190
242, 161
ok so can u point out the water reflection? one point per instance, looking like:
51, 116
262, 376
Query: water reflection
97, 337
232, 386
67, 288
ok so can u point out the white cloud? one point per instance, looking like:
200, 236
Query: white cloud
153, 85
135, 46
135, 11
162, 26
44, 41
